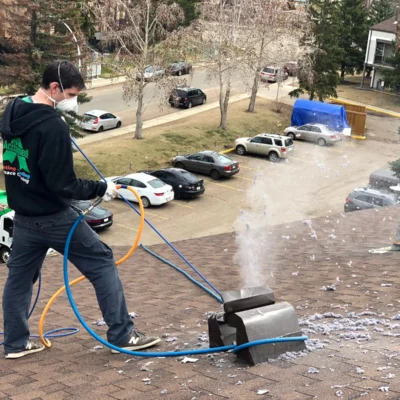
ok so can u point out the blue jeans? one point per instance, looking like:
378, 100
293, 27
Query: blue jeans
32, 237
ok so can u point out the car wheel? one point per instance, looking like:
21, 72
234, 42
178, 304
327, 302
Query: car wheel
119, 124
177, 195
5, 255
215, 175
204, 100
291, 135
146, 202
240, 150
179, 73
321, 142
179, 165
189, 105
101, 129
273, 157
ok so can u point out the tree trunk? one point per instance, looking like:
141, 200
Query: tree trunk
312, 94
256, 81
342, 74
224, 106
254, 91
224, 109
139, 114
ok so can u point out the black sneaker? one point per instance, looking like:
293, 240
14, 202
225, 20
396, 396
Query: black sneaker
138, 341
30, 348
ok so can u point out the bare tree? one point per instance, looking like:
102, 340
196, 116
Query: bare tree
140, 30
220, 39
275, 36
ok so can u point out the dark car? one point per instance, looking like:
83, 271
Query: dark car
98, 219
179, 68
365, 198
382, 179
183, 182
187, 97
208, 162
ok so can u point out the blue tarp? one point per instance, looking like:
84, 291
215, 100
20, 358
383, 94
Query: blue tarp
315, 112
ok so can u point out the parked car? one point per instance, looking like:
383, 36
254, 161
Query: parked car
383, 179
187, 97
273, 74
151, 73
98, 219
265, 144
365, 198
99, 121
184, 183
179, 68
318, 133
152, 191
208, 162
291, 68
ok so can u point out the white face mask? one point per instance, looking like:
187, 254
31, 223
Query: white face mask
64, 105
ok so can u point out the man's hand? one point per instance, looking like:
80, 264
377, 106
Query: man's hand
111, 192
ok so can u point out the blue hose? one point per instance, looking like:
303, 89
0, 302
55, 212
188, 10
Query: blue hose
218, 298
151, 225
153, 354
53, 333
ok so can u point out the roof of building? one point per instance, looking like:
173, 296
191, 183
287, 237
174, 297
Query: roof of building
387, 25
346, 299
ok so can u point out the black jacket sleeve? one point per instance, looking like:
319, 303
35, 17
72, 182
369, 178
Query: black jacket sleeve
57, 167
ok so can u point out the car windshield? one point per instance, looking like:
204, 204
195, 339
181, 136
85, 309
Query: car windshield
288, 142
224, 159
98, 212
89, 117
179, 93
188, 177
269, 70
156, 183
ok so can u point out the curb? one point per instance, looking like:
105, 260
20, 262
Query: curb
227, 151
367, 107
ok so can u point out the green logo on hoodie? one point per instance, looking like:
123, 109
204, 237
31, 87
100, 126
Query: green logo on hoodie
13, 150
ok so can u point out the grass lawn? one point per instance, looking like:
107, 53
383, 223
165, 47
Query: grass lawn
123, 155
349, 90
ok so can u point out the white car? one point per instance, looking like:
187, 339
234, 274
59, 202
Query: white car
151, 73
321, 134
151, 190
99, 121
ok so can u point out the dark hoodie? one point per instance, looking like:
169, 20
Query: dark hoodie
37, 161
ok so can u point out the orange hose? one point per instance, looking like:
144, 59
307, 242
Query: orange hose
47, 342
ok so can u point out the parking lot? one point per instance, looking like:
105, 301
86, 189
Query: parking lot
313, 182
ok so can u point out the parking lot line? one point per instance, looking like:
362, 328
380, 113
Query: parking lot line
127, 227
300, 159
175, 203
225, 186
241, 177
155, 215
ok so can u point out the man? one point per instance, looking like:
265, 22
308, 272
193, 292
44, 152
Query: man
41, 183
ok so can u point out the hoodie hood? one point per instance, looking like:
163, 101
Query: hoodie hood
20, 117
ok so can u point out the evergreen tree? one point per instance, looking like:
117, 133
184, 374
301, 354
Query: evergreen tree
318, 70
38, 36
190, 9
392, 76
380, 11
352, 35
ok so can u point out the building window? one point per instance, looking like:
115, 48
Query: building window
383, 52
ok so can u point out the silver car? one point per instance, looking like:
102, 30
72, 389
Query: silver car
151, 73
99, 121
321, 134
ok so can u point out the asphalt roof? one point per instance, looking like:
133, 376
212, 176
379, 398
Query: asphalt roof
347, 301
387, 25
